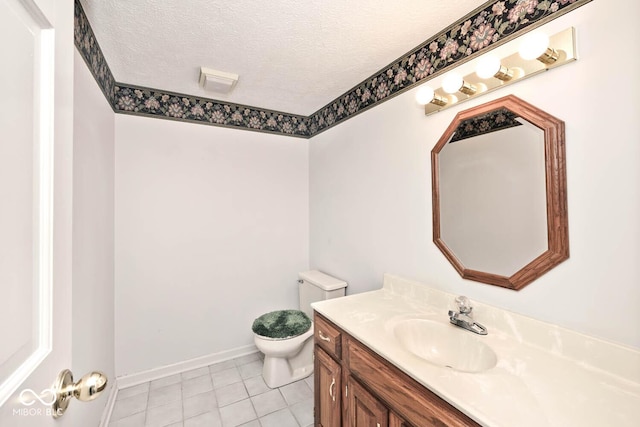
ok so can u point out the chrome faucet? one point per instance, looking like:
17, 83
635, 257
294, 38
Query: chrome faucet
463, 319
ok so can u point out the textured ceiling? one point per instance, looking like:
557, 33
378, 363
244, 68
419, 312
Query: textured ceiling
292, 55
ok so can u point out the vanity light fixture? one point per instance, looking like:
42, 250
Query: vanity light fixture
494, 73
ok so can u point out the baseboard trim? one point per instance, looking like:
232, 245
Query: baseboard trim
111, 401
187, 365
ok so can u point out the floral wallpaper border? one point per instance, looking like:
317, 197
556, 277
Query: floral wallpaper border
492, 24
485, 123
87, 45
168, 105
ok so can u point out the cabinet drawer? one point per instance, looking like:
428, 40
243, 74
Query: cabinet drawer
327, 336
412, 401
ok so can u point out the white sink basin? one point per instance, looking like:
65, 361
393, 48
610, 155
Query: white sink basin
445, 345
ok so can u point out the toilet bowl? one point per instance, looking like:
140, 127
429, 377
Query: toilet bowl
288, 352
286, 360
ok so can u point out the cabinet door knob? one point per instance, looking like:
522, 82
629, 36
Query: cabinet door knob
333, 383
323, 337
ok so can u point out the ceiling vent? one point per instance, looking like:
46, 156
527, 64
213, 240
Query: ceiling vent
217, 81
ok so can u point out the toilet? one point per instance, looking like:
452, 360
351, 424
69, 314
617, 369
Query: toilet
285, 337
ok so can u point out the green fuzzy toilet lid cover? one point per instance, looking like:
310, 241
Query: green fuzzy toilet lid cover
282, 324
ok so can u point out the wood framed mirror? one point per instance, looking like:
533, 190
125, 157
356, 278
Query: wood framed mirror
500, 193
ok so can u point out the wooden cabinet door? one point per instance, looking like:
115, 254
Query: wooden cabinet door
396, 421
328, 386
364, 409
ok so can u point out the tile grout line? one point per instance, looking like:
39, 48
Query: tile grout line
251, 401
146, 407
182, 399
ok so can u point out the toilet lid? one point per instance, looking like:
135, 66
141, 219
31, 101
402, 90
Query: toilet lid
282, 324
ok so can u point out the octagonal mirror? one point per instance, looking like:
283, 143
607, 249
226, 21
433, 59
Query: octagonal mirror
499, 193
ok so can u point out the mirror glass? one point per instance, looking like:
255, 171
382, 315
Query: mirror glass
493, 197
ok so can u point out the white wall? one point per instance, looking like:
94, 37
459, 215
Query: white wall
211, 230
370, 187
93, 266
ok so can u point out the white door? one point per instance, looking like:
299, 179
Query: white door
36, 133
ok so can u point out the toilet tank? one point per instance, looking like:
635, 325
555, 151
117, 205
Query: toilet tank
316, 286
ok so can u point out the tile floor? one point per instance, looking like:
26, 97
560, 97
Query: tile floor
226, 394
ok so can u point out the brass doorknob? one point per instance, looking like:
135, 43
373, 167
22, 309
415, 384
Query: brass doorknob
87, 388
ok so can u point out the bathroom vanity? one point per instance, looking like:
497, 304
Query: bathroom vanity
391, 358
375, 392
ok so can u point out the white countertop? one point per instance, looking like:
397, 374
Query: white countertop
545, 375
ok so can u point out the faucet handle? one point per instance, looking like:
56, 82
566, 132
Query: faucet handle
464, 305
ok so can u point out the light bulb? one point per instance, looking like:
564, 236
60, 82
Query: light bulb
536, 46
452, 83
424, 95
489, 66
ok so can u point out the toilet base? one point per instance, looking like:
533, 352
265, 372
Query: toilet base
279, 371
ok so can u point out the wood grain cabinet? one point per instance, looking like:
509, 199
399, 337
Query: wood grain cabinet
363, 409
396, 421
328, 387
354, 387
